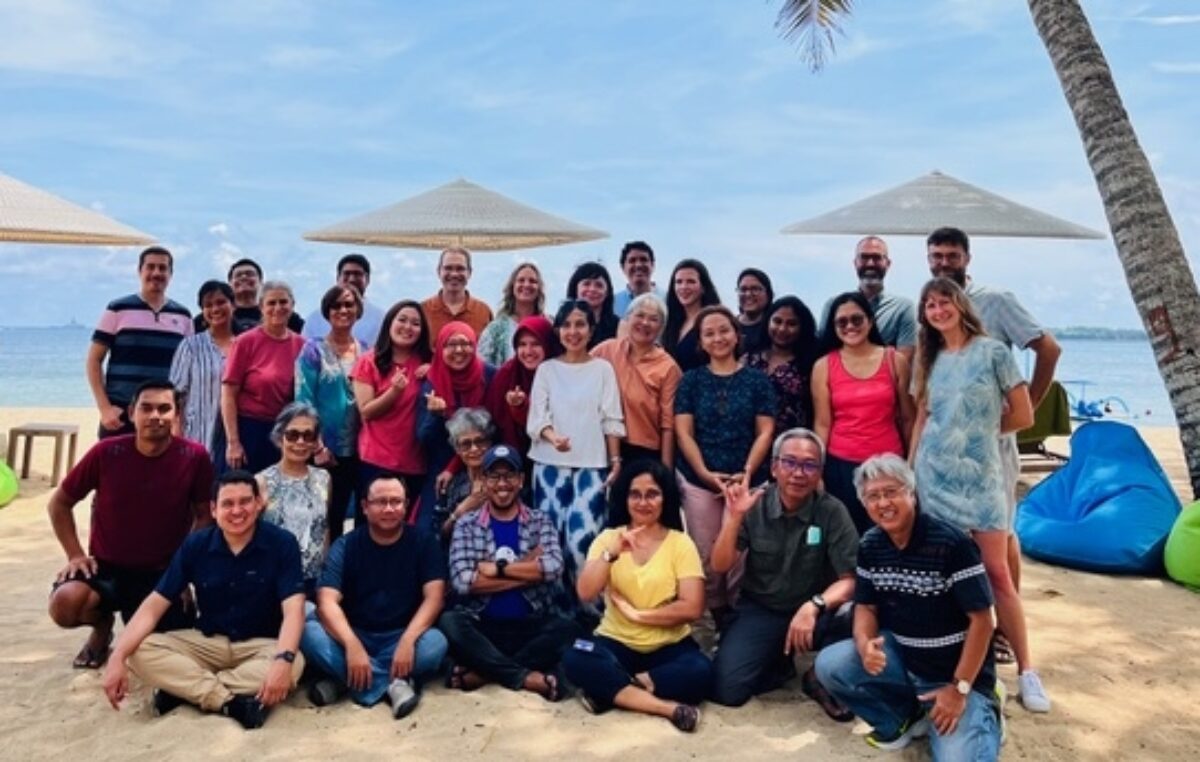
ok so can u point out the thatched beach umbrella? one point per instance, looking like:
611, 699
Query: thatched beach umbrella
30, 215
460, 213
935, 200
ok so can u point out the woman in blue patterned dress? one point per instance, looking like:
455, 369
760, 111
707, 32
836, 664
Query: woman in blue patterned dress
969, 391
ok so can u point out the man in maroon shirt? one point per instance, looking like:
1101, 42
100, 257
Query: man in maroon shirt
151, 490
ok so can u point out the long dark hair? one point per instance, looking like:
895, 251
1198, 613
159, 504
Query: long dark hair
383, 342
607, 323
676, 315
805, 346
830, 341
618, 494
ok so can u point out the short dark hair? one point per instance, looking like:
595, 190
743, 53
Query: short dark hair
151, 251
759, 276
333, 294
386, 476
155, 385
724, 312
354, 259
830, 341
240, 263
635, 246
618, 495
951, 236
570, 305
213, 286
235, 476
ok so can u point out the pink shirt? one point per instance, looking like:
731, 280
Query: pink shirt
864, 411
390, 441
265, 369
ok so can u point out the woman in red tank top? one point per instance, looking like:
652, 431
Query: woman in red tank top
861, 404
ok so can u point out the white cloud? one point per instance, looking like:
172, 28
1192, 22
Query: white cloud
1176, 67
219, 229
1179, 20
66, 37
299, 56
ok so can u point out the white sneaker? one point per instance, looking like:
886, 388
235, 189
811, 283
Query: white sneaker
404, 699
1033, 695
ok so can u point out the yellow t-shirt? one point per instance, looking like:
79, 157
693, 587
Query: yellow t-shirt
649, 586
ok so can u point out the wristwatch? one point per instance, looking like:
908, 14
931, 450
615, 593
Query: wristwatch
501, 567
963, 687
288, 656
607, 556
818, 600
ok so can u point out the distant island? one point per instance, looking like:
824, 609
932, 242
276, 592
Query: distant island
1098, 333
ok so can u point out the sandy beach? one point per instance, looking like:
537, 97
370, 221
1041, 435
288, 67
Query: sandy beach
1120, 657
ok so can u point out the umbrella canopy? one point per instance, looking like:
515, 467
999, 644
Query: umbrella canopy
936, 200
30, 215
460, 213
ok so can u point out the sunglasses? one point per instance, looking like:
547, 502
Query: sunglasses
298, 435
476, 443
851, 321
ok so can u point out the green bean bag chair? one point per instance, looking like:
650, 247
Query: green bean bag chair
1182, 554
8, 485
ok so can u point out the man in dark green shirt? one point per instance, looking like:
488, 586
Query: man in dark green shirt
800, 547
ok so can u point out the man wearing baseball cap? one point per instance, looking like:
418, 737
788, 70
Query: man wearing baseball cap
505, 563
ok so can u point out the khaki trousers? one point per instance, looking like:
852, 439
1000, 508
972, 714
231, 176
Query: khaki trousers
206, 671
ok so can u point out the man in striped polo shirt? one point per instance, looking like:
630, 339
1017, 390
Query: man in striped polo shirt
923, 623
138, 335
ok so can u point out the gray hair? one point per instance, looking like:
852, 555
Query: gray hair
648, 299
277, 285
797, 433
290, 413
887, 466
467, 419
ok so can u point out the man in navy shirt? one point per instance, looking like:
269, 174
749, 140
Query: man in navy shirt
379, 594
505, 563
923, 625
241, 659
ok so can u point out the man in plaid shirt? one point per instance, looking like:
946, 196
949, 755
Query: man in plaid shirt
505, 563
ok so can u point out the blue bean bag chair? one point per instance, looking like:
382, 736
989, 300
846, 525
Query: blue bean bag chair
1109, 509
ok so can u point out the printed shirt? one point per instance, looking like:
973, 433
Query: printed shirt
724, 412
473, 541
323, 381
141, 343
300, 506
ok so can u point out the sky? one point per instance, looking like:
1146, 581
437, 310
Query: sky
228, 129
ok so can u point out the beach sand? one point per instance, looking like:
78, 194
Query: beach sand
1120, 657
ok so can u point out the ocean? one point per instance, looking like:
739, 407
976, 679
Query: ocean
43, 367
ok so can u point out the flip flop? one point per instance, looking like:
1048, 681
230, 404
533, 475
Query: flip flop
93, 658
553, 692
814, 690
1002, 650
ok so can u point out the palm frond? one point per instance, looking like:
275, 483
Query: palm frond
811, 24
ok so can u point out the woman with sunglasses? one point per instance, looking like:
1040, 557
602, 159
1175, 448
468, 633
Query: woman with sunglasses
861, 404
323, 381
297, 494
471, 434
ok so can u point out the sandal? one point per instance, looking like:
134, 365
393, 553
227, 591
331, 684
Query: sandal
457, 679
1002, 650
814, 690
90, 657
553, 692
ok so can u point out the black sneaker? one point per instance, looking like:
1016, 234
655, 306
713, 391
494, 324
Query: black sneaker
165, 703
324, 692
247, 710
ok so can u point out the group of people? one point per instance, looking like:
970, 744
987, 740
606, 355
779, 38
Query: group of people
550, 501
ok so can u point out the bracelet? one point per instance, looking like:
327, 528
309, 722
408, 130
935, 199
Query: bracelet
615, 459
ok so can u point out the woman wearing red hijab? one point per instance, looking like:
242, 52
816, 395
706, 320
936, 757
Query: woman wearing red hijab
508, 395
457, 378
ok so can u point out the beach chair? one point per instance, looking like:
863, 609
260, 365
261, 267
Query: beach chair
1051, 419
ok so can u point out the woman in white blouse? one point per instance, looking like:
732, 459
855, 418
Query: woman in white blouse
576, 424
199, 360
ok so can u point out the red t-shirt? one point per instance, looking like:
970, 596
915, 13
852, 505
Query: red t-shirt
390, 441
265, 368
144, 506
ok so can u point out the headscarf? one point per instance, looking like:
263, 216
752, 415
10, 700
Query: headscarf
510, 421
460, 388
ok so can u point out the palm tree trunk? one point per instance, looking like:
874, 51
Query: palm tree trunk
1160, 279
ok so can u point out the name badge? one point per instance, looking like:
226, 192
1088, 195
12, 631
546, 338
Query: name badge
814, 536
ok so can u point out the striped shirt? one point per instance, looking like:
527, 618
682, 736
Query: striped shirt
196, 373
923, 593
141, 343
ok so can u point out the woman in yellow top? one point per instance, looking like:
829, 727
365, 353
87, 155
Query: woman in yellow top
642, 656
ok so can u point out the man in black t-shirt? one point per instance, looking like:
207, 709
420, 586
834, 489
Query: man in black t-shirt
379, 594
923, 624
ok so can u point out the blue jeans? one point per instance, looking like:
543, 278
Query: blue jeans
889, 699
329, 656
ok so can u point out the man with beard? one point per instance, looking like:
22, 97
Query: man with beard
138, 335
637, 262
353, 270
453, 301
895, 316
151, 489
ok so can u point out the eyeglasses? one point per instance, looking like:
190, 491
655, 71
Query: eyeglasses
460, 345
387, 502
791, 465
950, 259
878, 496
474, 443
748, 290
297, 435
649, 496
495, 477
857, 320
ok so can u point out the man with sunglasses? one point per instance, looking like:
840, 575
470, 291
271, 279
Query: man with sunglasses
378, 597
895, 316
505, 562
800, 547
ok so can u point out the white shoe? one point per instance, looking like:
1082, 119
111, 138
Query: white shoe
404, 699
1033, 695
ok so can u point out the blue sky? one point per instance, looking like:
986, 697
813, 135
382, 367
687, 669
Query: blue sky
230, 128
